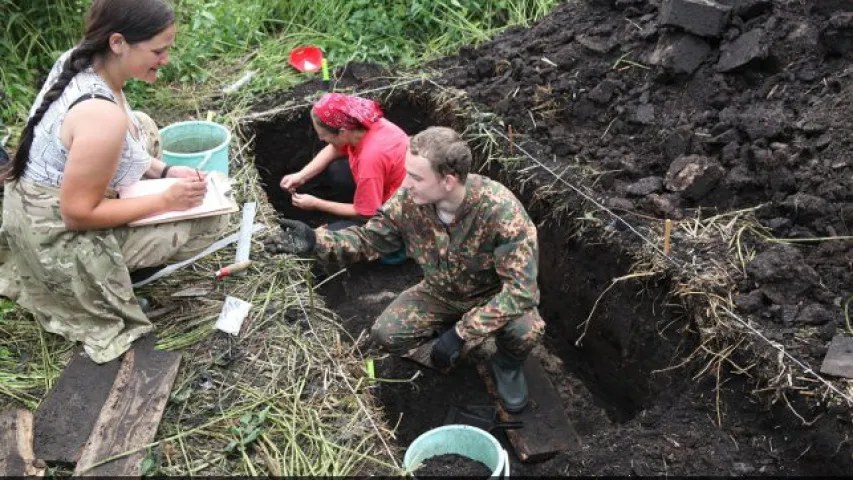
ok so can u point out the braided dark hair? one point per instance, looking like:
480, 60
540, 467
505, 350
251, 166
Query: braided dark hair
135, 20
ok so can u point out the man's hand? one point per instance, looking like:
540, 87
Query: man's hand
295, 237
304, 201
446, 350
292, 182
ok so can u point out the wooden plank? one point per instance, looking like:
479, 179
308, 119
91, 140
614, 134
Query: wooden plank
65, 417
546, 429
132, 413
839, 358
17, 458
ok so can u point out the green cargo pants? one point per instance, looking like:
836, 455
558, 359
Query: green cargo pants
418, 314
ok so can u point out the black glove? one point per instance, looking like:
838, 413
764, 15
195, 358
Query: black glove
295, 237
446, 350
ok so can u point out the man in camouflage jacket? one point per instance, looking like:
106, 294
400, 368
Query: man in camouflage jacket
477, 248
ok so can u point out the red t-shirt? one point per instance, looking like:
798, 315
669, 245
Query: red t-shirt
378, 165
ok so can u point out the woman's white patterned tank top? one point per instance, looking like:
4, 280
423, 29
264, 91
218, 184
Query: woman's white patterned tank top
47, 154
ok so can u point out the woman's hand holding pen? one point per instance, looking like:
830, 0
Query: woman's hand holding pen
186, 172
188, 193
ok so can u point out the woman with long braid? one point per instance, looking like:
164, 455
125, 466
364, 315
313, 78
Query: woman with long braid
65, 249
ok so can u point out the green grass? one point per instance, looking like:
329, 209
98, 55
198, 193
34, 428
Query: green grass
220, 40
30, 358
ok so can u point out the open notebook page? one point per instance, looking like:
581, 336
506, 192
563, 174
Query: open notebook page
217, 200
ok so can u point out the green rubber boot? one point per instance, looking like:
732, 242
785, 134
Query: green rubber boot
510, 381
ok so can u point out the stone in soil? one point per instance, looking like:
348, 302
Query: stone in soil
694, 176
747, 9
746, 49
452, 465
680, 53
837, 35
700, 17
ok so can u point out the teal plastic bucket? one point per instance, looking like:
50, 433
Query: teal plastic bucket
190, 144
472, 442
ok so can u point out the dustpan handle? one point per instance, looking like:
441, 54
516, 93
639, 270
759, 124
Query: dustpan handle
506, 425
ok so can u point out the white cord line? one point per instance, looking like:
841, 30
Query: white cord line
806, 369
588, 197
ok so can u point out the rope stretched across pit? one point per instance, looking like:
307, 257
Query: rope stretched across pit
680, 265
806, 369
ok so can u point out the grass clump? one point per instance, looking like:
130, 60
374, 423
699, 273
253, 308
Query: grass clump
221, 40
30, 358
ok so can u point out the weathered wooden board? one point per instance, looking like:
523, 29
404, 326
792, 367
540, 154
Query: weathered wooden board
65, 417
16, 445
546, 429
839, 358
132, 412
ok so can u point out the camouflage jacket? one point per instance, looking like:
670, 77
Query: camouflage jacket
489, 251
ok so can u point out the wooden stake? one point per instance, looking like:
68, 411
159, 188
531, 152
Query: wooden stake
511, 142
666, 234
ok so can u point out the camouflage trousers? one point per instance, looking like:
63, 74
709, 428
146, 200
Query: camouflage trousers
418, 314
77, 283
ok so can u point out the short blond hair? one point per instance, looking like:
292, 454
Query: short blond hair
445, 149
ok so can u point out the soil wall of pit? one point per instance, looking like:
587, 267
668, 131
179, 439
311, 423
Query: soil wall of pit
632, 333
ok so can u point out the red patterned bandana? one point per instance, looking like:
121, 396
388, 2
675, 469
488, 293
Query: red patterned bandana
345, 111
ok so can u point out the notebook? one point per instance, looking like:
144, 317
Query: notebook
217, 200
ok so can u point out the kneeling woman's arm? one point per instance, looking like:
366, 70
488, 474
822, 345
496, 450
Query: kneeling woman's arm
94, 134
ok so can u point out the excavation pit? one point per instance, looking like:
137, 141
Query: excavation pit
615, 346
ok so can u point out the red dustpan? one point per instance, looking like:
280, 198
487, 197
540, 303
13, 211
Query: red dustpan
306, 59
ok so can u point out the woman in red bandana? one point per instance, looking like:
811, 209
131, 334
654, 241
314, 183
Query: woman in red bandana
373, 167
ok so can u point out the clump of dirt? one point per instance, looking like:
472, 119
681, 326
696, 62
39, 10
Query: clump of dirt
681, 109
453, 465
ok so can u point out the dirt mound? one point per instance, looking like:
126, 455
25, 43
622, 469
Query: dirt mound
683, 108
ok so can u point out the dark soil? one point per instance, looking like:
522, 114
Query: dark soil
772, 132
674, 434
670, 134
452, 465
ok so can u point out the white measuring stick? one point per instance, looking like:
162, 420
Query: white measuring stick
216, 246
244, 241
